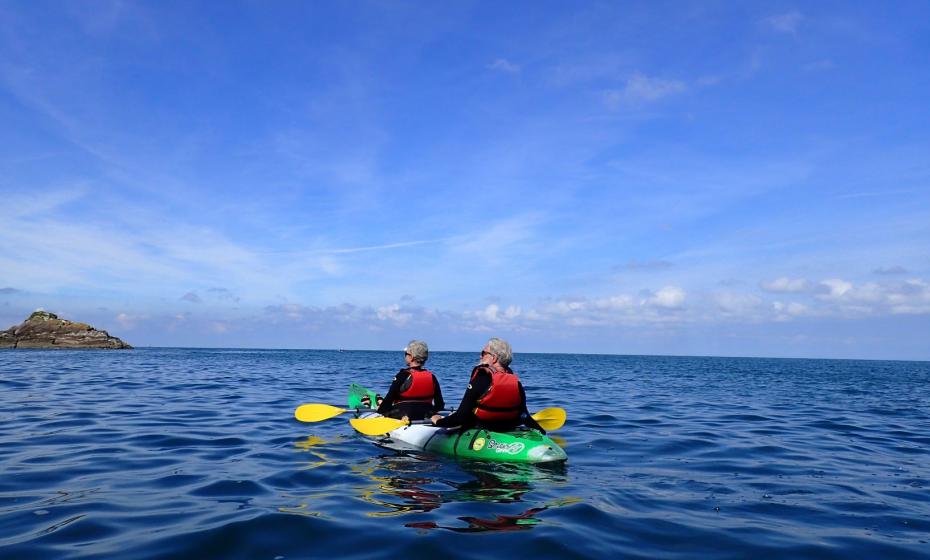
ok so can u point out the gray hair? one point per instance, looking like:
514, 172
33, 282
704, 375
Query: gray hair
501, 349
419, 350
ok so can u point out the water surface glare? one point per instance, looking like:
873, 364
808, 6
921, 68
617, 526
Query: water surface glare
189, 453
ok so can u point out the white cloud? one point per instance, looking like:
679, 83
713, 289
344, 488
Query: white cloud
290, 311
669, 297
490, 313
790, 310
615, 303
661, 307
911, 297
321, 318
845, 299
785, 23
833, 288
504, 65
737, 304
785, 285
642, 89
394, 313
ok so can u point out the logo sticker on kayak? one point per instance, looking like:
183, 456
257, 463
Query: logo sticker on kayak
478, 445
508, 448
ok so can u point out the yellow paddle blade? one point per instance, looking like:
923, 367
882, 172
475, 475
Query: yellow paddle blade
376, 426
551, 418
317, 412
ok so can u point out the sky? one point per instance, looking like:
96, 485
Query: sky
674, 178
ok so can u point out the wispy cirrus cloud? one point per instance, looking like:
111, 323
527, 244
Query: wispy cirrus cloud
645, 265
890, 270
788, 22
640, 89
387, 246
141, 253
504, 65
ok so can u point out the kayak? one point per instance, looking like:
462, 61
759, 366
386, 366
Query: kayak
519, 446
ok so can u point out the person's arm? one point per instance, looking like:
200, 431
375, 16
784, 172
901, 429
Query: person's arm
525, 415
388, 403
466, 409
438, 402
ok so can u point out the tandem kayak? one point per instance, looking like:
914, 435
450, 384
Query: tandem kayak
521, 446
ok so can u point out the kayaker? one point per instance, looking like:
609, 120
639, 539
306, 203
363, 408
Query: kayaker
495, 398
415, 392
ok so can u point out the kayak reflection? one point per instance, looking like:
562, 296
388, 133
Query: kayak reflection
399, 485
519, 522
407, 483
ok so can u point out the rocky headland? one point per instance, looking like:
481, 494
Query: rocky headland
45, 330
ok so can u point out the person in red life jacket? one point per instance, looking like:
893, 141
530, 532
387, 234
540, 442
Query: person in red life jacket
415, 392
494, 398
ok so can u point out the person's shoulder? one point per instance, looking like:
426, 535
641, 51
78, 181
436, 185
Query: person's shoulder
481, 373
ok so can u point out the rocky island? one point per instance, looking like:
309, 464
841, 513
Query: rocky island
45, 330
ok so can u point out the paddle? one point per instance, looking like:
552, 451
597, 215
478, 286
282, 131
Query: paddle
549, 418
315, 412
377, 426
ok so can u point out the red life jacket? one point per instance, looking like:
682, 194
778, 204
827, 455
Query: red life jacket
417, 388
502, 400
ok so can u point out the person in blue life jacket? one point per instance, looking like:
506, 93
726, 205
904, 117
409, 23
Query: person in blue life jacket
495, 398
415, 393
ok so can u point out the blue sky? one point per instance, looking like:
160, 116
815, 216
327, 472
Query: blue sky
617, 177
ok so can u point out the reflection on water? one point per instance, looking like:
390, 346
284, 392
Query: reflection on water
311, 445
397, 484
519, 522
406, 483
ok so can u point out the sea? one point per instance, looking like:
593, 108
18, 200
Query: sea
195, 453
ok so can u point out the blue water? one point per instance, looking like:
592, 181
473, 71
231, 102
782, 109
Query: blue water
177, 453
